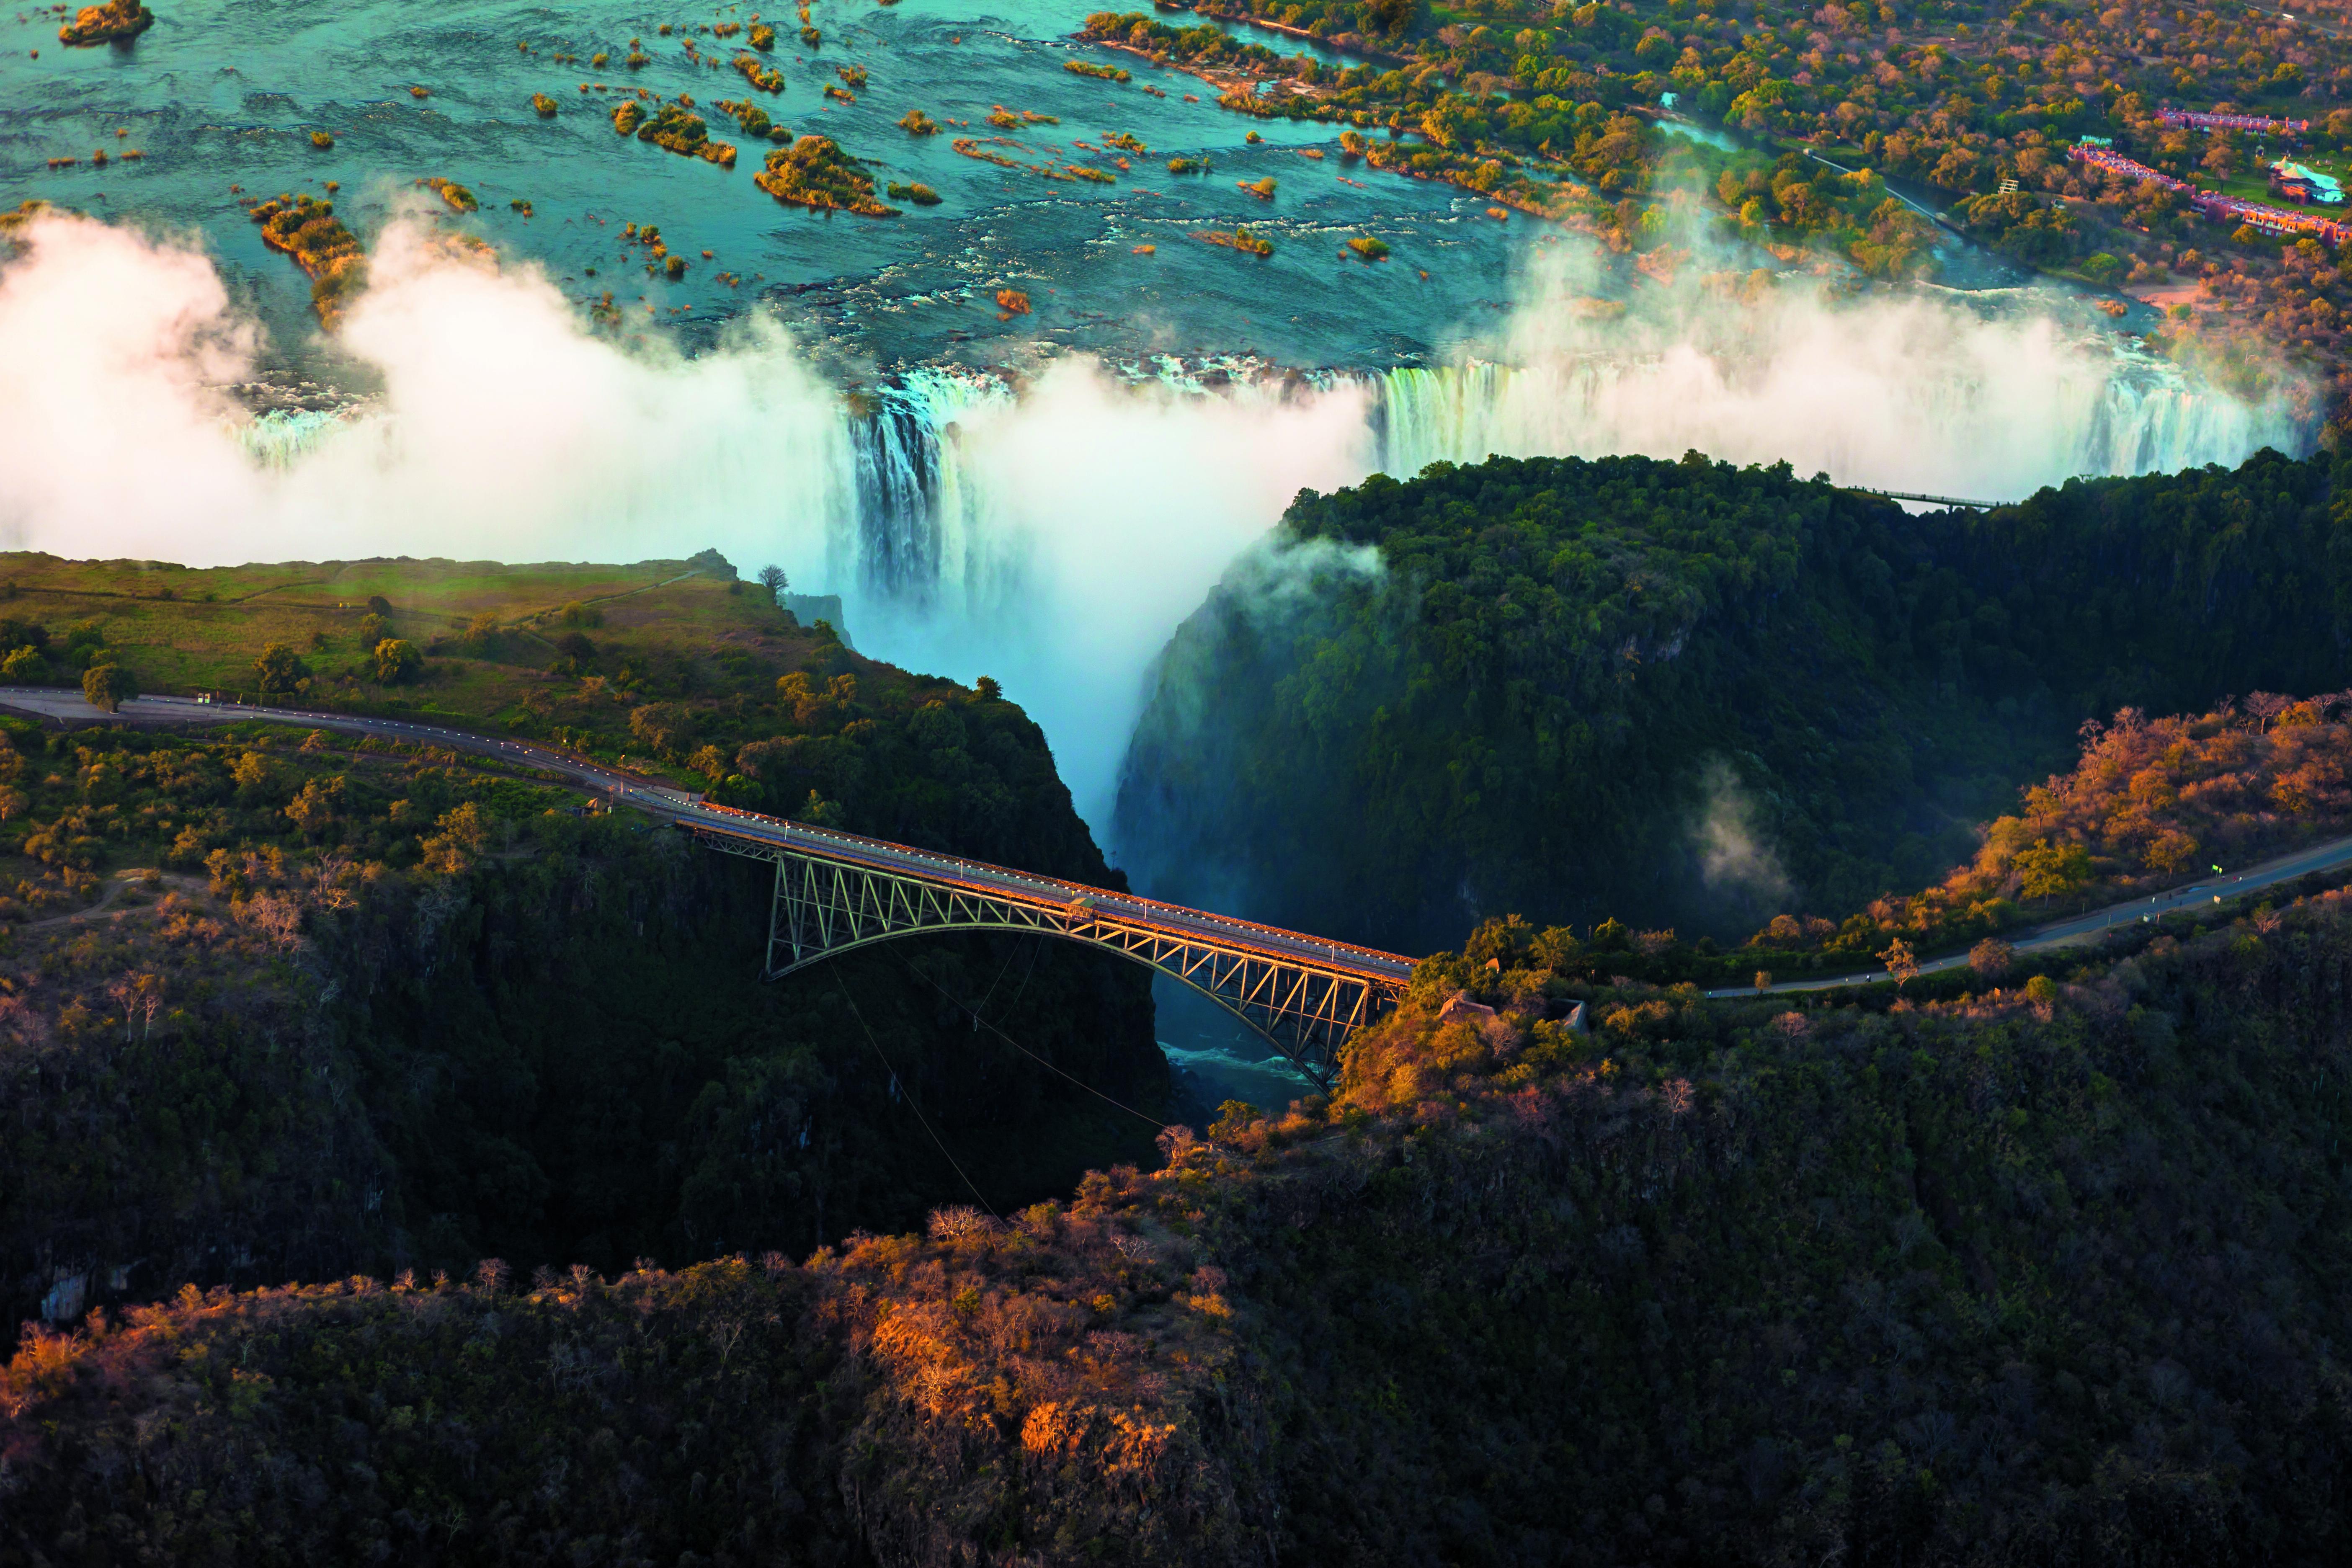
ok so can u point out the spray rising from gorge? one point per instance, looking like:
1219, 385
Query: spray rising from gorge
1052, 534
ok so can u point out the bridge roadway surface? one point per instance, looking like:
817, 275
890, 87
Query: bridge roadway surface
1387, 970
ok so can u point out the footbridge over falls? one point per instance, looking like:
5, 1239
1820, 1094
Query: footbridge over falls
836, 891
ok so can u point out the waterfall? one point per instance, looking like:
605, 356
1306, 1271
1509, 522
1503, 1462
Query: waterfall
1970, 429
921, 525
1424, 416
915, 527
276, 438
2157, 424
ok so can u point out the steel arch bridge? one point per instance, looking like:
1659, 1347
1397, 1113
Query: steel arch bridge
836, 892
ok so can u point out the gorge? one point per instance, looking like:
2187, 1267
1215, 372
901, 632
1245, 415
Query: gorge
1408, 472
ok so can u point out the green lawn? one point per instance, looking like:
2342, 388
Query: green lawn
656, 631
2254, 183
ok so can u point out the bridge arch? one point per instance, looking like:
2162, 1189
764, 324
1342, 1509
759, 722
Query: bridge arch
1305, 1008
1316, 1056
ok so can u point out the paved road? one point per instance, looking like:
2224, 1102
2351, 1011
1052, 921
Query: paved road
1388, 969
2212, 890
2300, 21
52, 702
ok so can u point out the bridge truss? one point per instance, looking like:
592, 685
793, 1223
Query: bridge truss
823, 906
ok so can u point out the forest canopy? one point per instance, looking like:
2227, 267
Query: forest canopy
282, 1001
1682, 692
2051, 1274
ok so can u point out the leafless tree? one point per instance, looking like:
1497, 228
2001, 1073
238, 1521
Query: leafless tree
140, 994
956, 1220
1177, 1141
325, 881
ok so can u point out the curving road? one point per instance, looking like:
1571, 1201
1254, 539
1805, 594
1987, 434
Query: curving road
2327, 857
1387, 970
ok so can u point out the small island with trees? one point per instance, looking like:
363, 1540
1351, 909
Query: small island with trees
814, 173
307, 230
115, 22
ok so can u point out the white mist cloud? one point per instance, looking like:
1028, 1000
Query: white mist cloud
1081, 521
503, 430
1734, 857
108, 434
1900, 391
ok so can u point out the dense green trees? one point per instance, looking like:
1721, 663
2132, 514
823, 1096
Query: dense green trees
413, 1013
1683, 693
397, 660
280, 672
2050, 1278
2047, 1276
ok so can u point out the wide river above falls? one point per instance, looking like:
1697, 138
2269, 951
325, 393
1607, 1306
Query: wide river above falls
220, 94
228, 93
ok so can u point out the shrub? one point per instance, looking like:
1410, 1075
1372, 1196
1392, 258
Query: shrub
280, 670
397, 661
2102, 267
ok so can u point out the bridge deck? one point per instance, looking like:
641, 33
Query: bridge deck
1389, 970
